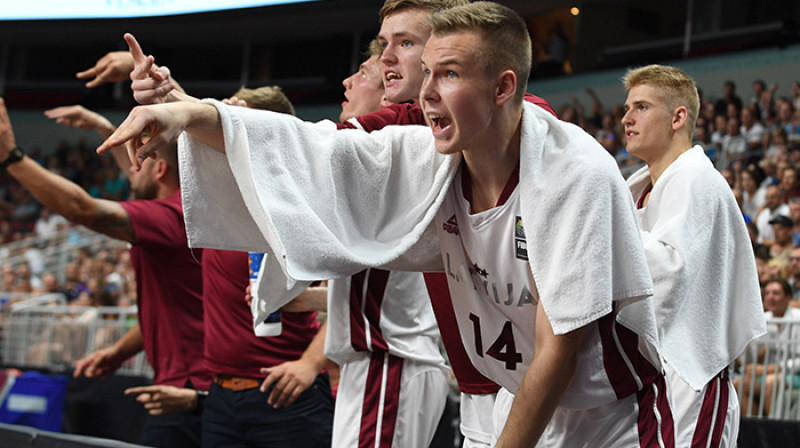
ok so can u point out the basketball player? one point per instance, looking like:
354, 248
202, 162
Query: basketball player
707, 294
548, 296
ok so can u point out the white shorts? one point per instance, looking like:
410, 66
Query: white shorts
709, 417
398, 402
638, 420
476, 419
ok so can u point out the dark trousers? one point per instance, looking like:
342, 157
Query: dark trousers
233, 419
172, 431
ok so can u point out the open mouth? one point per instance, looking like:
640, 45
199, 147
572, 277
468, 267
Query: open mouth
438, 122
392, 76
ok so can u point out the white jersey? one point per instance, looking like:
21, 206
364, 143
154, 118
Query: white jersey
382, 311
486, 261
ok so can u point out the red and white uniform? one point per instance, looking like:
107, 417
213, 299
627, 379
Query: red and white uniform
383, 335
485, 256
564, 174
707, 297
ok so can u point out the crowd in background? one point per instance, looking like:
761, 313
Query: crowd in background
754, 143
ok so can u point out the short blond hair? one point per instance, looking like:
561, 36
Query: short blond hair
393, 6
680, 87
506, 42
375, 49
266, 98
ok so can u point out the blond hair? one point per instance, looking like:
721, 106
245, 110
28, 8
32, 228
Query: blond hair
393, 6
680, 87
506, 42
266, 98
375, 49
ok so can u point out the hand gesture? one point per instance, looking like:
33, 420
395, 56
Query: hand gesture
115, 66
146, 130
291, 379
99, 364
150, 84
163, 400
79, 117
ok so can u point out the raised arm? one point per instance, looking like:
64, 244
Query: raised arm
152, 84
544, 384
61, 195
77, 116
115, 66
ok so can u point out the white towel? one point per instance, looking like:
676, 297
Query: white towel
328, 203
707, 296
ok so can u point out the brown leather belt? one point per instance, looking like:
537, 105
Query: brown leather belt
237, 383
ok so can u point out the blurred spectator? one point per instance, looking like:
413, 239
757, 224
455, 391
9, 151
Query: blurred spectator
772, 208
794, 215
759, 380
8, 279
733, 144
729, 97
796, 94
782, 227
49, 223
608, 136
750, 196
25, 280
794, 275
785, 112
729, 176
789, 184
752, 130
778, 144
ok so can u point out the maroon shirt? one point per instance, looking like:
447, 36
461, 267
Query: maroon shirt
231, 347
169, 290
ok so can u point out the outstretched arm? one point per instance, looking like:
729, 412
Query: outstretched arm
115, 66
60, 194
150, 128
544, 384
77, 116
164, 400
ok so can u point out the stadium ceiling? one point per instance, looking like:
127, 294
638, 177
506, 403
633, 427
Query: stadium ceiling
287, 22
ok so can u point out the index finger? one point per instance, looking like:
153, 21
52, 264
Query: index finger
273, 376
90, 73
134, 48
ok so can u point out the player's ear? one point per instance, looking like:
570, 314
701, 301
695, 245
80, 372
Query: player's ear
506, 86
162, 168
680, 118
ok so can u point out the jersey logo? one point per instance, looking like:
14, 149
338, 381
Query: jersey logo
451, 226
520, 244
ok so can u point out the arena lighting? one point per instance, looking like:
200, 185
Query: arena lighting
112, 9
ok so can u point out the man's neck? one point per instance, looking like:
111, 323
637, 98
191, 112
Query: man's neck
167, 189
490, 167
